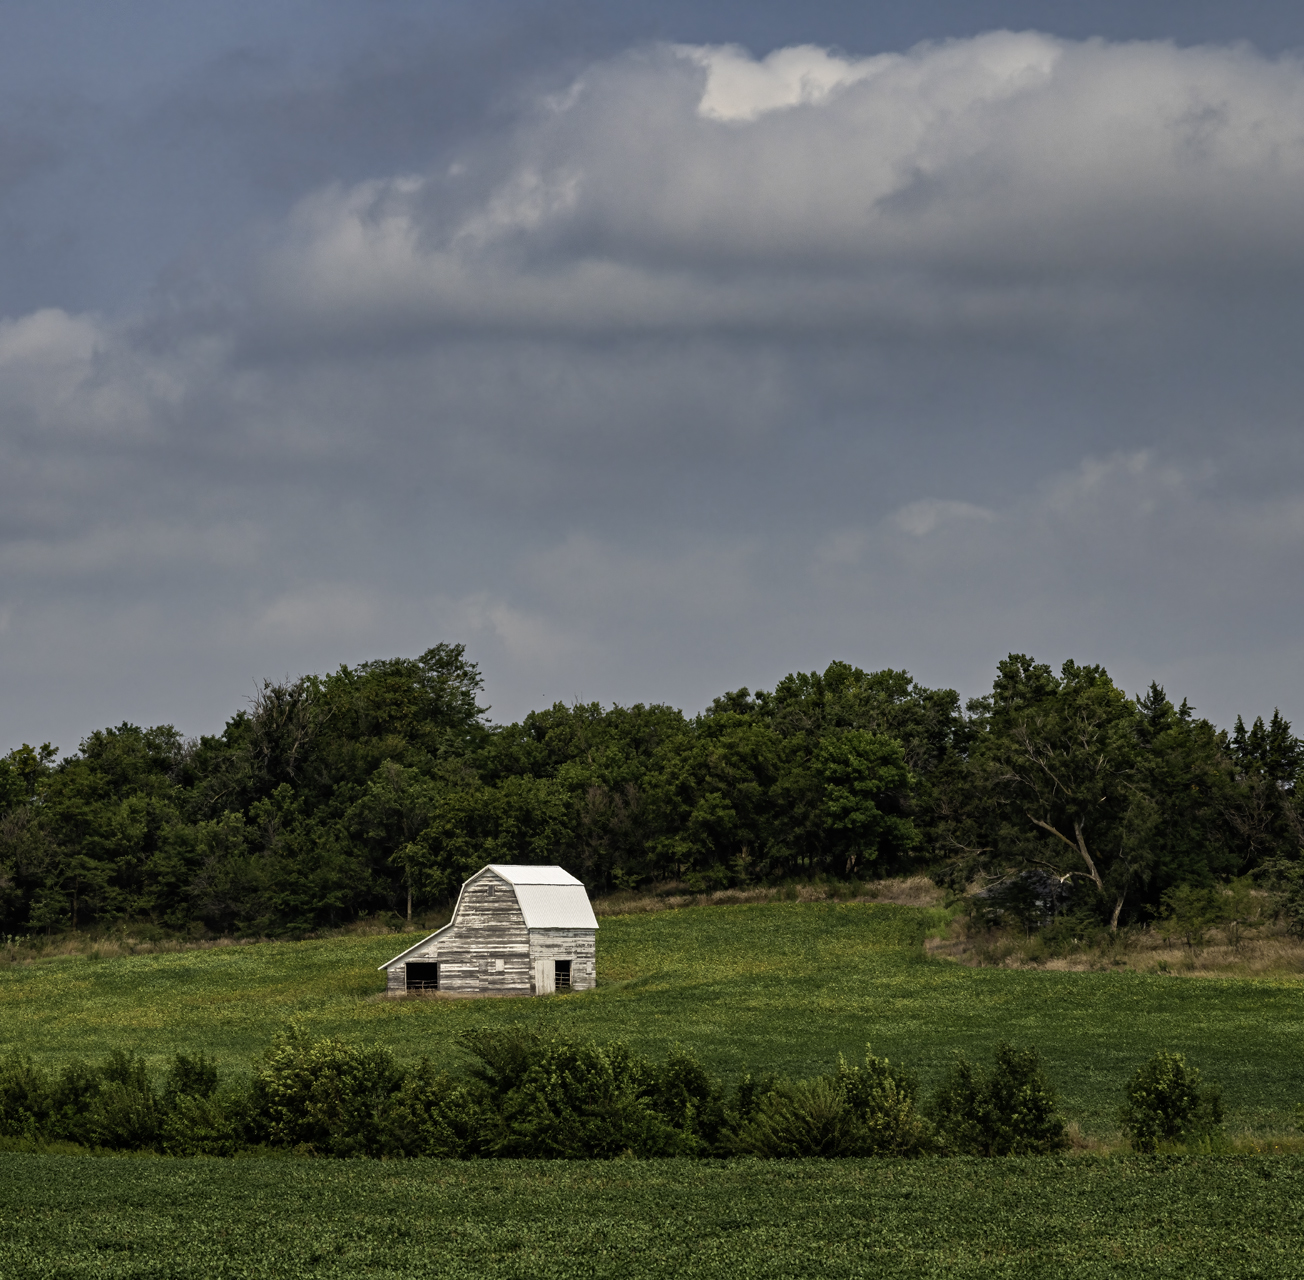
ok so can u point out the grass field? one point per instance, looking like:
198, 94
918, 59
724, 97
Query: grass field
775, 987
1131, 1218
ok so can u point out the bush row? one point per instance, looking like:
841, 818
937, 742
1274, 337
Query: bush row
529, 1095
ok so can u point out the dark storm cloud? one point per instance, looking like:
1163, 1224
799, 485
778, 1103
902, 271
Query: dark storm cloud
677, 371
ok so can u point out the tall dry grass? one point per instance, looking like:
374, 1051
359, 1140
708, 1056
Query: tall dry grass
1270, 951
911, 891
24, 948
144, 940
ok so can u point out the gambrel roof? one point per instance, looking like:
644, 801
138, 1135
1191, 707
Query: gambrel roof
549, 898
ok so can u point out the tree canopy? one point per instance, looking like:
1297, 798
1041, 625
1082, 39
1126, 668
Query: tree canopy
379, 788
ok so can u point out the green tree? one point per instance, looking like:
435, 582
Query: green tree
865, 785
1166, 1101
1010, 1111
712, 797
1060, 756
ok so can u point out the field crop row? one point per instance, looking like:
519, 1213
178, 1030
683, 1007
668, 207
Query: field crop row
1133, 1218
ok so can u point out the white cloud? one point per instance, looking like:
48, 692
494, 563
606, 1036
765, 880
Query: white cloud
1008, 178
924, 516
82, 376
738, 87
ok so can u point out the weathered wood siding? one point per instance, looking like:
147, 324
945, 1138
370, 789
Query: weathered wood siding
579, 946
487, 949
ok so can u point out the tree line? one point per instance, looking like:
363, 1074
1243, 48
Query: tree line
379, 788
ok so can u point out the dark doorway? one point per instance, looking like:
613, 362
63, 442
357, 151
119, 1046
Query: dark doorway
423, 976
563, 975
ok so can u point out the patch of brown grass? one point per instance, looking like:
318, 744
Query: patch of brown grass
1271, 953
1231, 1144
24, 950
911, 891
138, 941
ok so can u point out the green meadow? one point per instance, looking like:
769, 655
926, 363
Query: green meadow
780, 988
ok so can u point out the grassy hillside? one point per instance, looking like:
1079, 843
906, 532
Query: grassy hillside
778, 987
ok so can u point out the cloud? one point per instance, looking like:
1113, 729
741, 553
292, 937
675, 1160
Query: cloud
923, 517
740, 87
1009, 179
706, 368
78, 375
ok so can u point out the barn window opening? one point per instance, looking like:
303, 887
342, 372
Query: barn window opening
423, 976
563, 975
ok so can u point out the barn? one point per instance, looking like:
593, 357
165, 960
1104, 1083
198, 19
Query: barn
516, 931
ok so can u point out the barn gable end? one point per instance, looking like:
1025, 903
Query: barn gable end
515, 931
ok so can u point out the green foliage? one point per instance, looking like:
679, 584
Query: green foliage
1189, 912
190, 1078
859, 1111
115, 1105
376, 789
778, 989
1166, 1102
435, 1114
1240, 911
550, 1098
25, 1098
1286, 880
1010, 1111
1192, 1218
859, 771
883, 1099
800, 1119
323, 1097
124, 1112
215, 1125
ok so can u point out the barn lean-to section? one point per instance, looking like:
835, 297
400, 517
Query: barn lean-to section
515, 931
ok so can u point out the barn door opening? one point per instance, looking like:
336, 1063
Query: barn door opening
423, 975
563, 975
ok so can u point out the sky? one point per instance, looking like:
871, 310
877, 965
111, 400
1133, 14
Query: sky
650, 350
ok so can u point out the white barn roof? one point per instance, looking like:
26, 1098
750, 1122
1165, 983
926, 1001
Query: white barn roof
550, 898
532, 875
555, 906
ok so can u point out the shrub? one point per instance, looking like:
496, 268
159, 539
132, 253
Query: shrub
1285, 879
1010, 1112
738, 1110
71, 1096
326, 1097
25, 1099
859, 1111
1189, 912
688, 1099
552, 1098
211, 1126
190, 1078
1167, 1102
432, 1114
883, 1099
800, 1119
124, 1113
